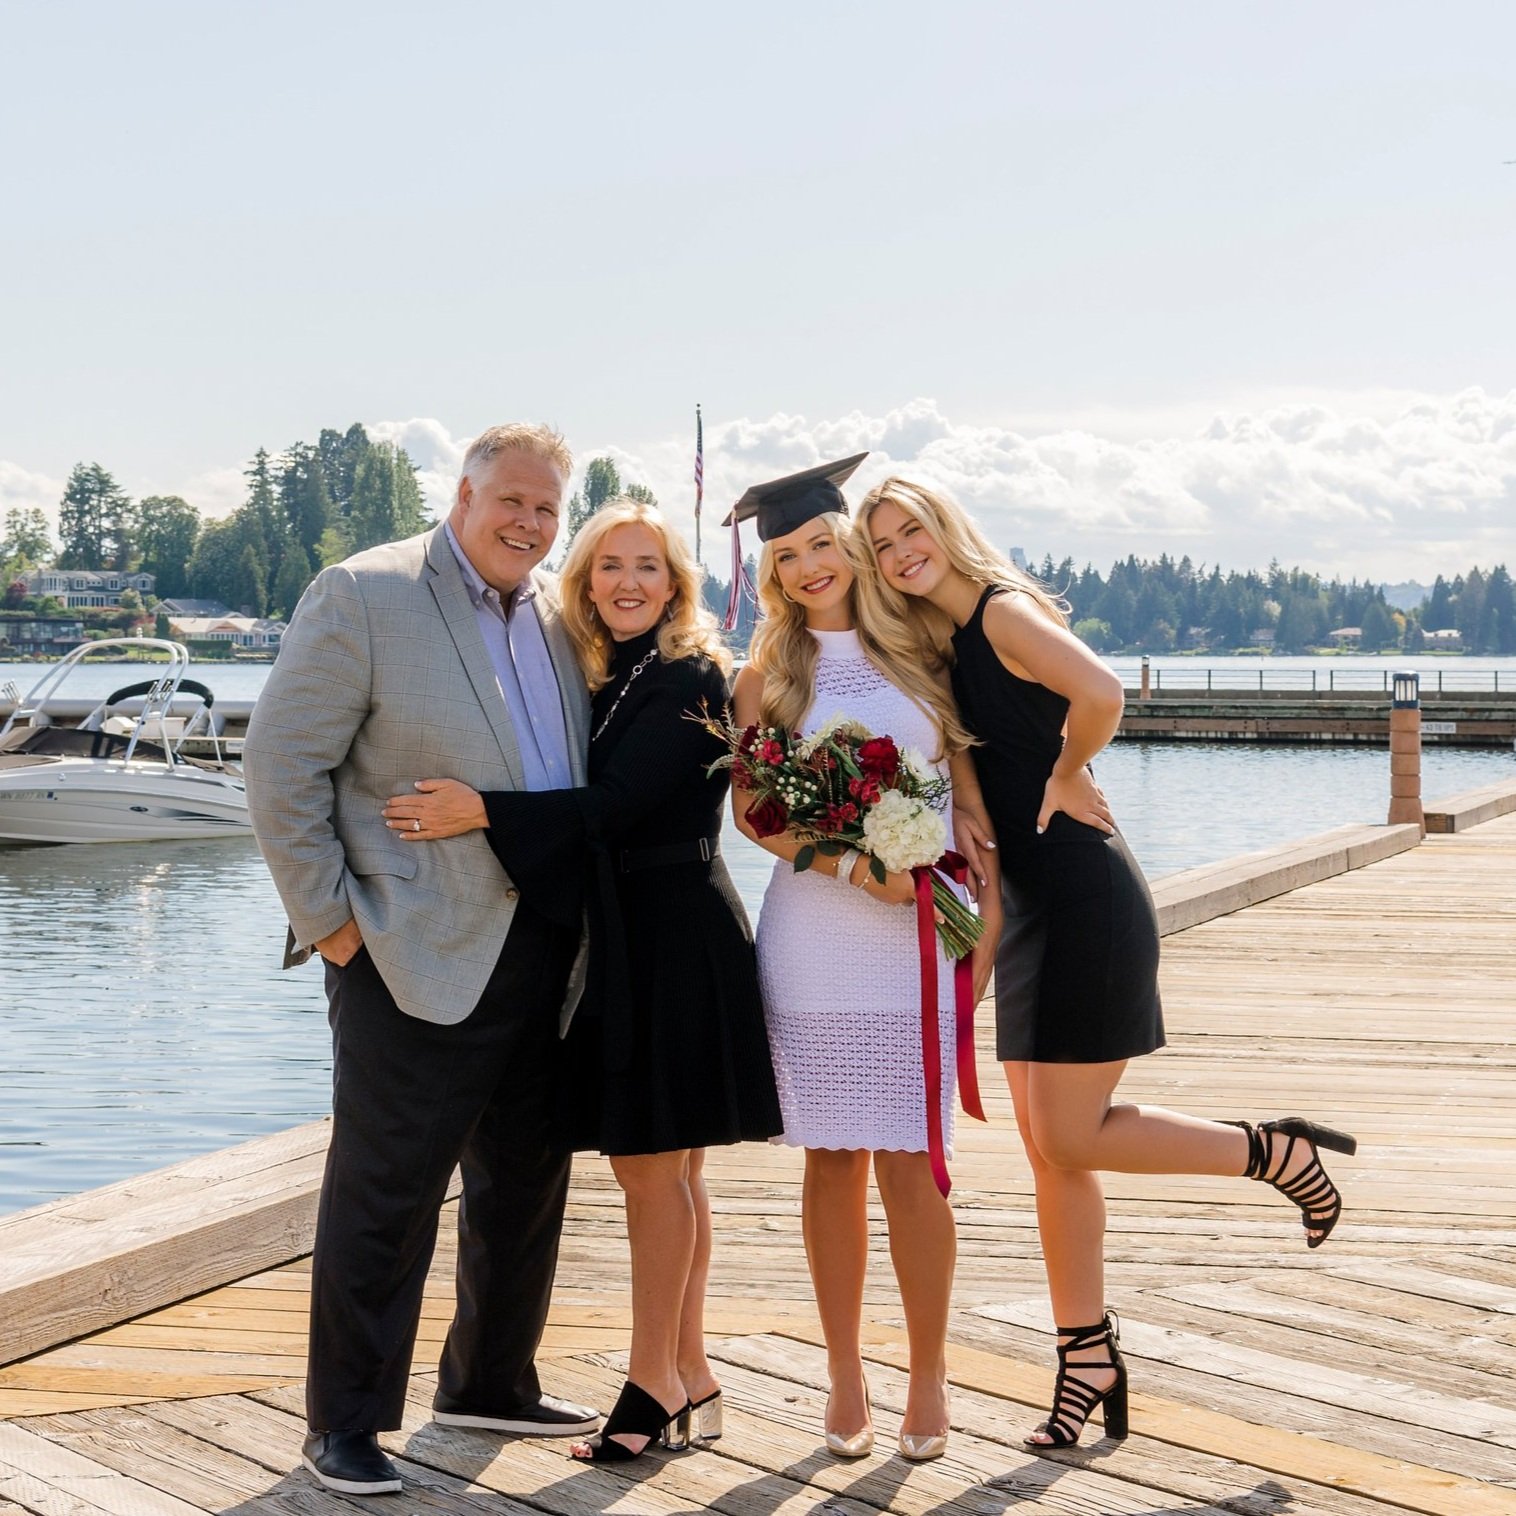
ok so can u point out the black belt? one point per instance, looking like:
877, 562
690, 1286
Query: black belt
698, 849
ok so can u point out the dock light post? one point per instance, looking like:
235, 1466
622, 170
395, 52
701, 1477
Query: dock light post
1405, 750
1147, 680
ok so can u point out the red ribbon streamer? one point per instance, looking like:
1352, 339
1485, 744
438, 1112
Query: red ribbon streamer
955, 865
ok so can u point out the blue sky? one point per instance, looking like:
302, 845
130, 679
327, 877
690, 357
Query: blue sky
1227, 279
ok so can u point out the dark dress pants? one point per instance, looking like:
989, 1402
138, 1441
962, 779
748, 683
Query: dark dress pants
410, 1100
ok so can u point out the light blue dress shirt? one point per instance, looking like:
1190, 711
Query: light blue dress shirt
524, 669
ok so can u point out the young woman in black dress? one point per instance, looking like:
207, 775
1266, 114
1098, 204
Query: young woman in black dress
667, 1054
1076, 975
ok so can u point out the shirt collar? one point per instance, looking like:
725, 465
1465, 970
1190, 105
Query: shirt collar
481, 594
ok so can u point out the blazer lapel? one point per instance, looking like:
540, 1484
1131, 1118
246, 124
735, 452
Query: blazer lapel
462, 623
576, 699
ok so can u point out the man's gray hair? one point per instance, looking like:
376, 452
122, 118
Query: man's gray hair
540, 440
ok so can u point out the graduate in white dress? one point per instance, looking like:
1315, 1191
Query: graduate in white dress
838, 954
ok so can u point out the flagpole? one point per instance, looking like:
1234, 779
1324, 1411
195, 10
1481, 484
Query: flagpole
699, 478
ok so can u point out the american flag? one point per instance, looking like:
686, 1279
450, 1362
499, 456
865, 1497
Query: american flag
699, 477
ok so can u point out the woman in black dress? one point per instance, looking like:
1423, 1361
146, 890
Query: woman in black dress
1077, 972
667, 1054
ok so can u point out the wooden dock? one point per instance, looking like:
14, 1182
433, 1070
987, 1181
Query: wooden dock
1365, 979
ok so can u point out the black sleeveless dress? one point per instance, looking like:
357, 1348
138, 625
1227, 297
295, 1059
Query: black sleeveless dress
668, 1048
1076, 976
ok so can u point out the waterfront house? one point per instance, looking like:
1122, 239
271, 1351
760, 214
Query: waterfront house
27, 638
86, 589
1444, 638
241, 631
1346, 636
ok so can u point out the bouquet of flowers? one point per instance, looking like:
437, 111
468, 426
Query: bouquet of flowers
844, 787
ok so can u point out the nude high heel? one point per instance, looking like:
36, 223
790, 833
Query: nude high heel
859, 1445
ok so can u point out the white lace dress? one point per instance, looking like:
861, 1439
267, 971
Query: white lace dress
841, 971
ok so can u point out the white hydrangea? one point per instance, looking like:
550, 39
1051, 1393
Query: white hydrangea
903, 833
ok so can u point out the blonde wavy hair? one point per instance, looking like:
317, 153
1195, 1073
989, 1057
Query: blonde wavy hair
967, 549
688, 629
785, 653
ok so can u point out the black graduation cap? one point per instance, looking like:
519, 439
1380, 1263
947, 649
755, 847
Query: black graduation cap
781, 505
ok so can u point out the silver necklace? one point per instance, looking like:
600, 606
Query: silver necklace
642, 664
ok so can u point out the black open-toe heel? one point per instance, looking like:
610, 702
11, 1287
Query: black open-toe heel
1073, 1400
638, 1414
1311, 1189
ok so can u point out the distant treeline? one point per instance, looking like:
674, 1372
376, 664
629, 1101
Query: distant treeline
1163, 605
312, 505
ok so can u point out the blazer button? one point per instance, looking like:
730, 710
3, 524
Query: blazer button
513, 894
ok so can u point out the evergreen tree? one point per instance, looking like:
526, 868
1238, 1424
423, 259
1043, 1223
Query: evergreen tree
341, 454
640, 492
294, 574
1469, 611
303, 495
249, 586
1500, 612
1437, 615
1377, 627
261, 511
168, 528
386, 503
602, 482
91, 518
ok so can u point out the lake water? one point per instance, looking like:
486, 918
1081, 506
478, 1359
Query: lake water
145, 1018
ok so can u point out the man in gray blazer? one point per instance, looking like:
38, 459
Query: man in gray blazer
439, 656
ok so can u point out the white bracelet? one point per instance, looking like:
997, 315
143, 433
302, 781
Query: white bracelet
845, 863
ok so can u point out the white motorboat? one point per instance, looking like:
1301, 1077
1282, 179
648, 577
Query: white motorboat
122, 774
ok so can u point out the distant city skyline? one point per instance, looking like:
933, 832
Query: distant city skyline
1218, 280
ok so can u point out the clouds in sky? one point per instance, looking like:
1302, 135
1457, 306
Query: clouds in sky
1406, 487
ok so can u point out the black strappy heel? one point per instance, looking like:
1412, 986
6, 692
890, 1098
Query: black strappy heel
1073, 1400
1311, 1189
638, 1414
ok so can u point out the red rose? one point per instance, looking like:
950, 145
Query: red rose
742, 775
767, 817
879, 758
839, 816
772, 752
864, 791
749, 739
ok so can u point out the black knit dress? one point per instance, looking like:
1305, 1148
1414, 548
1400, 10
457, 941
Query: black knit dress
1076, 978
667, 1049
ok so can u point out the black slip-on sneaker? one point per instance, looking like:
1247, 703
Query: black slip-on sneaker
549, 1417
350, 1463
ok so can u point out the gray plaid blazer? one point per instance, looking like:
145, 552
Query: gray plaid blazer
383, 678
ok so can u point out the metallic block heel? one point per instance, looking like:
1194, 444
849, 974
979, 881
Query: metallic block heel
675, 1435
706, 1420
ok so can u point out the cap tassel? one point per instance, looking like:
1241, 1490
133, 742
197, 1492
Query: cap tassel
742, 584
